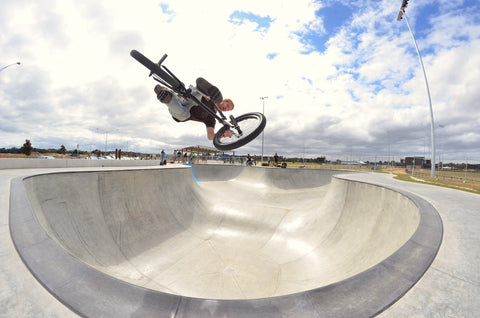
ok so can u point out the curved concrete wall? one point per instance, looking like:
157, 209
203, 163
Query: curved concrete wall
29, 163
249, 235
260, 233
255, 176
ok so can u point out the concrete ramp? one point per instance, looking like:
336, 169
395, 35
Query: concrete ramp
224, 232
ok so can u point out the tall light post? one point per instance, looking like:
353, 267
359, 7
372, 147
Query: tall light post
263, 132
106, 137
17, 63
402, 14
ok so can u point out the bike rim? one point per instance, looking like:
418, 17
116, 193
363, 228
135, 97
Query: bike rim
247, 125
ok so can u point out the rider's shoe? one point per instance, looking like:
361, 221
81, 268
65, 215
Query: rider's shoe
163, 94
210, 90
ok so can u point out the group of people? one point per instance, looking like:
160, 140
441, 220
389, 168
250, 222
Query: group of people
186, 157
189, 157
250, 161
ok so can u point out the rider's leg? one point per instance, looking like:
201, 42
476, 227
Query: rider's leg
163, 94
210, 90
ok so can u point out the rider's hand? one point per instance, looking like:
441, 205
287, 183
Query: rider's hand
227, 133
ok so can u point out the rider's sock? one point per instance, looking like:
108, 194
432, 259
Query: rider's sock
210, 90
163, 95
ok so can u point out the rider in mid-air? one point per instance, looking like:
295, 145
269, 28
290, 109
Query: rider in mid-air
183, 110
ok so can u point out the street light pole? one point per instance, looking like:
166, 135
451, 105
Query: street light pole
401, 14
1, 69
106, 137
106, 134
263, 132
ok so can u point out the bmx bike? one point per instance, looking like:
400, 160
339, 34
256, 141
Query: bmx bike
243, 128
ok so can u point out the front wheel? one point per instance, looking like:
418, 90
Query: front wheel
250, 126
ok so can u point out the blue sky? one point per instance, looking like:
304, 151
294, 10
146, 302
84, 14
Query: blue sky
240, 17
342, 78
333, 15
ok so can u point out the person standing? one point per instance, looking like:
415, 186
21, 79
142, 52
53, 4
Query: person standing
275, 159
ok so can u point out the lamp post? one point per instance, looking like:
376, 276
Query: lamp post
263, 132
402, 14
1, 69
106, 134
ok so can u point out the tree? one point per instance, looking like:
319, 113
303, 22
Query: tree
27, 147
62, 150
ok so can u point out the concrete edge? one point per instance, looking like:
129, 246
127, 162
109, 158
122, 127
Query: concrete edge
91, 293
35, 163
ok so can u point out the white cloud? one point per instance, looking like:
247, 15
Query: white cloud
363, 91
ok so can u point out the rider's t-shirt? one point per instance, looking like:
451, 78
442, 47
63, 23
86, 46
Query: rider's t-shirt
197, 113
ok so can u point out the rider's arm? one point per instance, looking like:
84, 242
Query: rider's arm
199, 114
210, 133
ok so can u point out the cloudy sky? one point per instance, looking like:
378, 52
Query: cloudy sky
343, 79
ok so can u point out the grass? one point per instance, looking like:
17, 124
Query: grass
32, 156
8, 155
468, 186
448, 179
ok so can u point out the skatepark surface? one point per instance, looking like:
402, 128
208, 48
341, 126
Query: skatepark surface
220, 241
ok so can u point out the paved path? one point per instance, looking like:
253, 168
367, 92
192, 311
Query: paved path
20, 294
451, 287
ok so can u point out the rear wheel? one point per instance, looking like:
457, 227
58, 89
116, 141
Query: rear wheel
251, 125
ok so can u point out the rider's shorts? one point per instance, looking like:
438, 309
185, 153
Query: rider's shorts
180, 109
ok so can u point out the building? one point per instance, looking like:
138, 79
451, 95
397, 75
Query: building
418, 162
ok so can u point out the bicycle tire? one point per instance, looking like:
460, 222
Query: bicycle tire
154, 68
252, 124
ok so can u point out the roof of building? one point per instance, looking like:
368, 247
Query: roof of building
202, 149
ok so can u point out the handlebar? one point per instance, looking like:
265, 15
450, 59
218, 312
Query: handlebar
162, 59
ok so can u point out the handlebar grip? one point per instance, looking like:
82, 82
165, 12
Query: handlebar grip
155, 68
142, 59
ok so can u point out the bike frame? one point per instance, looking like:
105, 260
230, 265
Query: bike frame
187, 93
